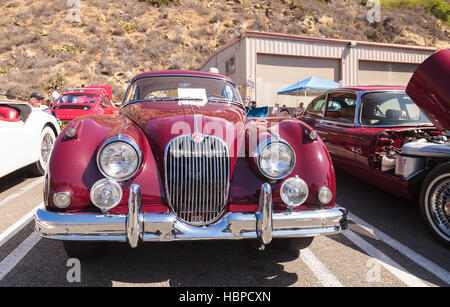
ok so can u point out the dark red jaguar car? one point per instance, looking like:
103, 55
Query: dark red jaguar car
394, 137
183, 161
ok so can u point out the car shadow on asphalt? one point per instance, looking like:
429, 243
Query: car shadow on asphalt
190, 264
15, 178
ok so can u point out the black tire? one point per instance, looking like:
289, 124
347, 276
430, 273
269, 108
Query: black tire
47, 140
434, 202
82, 250
292, 244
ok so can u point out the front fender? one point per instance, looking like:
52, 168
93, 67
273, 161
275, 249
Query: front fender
80, 174
313, 165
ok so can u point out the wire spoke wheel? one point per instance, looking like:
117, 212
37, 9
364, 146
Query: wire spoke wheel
46, 147
439, 206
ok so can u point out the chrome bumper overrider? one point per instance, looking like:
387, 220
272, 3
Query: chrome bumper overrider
137, 226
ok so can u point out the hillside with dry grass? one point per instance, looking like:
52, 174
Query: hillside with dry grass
117, 39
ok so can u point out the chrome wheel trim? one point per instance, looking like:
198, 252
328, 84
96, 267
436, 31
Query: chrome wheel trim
437, 202
46, 148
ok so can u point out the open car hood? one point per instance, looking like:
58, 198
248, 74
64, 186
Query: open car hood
430, 89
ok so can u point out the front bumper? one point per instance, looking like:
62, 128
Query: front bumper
137, 226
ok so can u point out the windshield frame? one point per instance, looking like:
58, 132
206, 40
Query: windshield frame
361, 105
132, 82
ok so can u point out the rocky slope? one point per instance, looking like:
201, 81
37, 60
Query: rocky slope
41, 46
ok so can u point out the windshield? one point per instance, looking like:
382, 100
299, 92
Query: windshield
182, 88
383, 109
91, 99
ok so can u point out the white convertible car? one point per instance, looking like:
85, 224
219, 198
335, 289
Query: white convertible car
27, 136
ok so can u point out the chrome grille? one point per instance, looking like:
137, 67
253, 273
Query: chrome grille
197, 178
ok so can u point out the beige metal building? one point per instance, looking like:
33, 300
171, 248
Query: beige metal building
276, 61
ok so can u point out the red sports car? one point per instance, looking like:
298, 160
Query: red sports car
184, 162
88, 100
395, 139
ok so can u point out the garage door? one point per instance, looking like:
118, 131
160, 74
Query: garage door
384, 73
275, 72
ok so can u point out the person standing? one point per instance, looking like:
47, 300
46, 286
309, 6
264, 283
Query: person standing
55, 95
275, 110
284, 111
36, 102
299, 110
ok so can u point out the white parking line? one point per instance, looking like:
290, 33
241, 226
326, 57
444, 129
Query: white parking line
17, 255
17, 226
325, 277
389, 264
21, 191
428, 265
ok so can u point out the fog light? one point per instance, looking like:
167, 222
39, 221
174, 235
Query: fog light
325, 195
106, 194
313, 135
62, 200
294, 191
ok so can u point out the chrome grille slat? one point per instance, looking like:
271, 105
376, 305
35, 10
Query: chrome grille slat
197, 178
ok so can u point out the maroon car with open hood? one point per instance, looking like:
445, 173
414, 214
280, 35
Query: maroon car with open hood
394, 137
183, 161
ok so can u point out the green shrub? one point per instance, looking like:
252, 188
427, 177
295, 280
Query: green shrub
69, 48
128, 27
57, 80
3, 71
438, 8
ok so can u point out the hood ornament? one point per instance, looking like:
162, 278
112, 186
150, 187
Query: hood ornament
197, 137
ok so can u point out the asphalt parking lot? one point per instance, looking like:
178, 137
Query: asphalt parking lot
386, 245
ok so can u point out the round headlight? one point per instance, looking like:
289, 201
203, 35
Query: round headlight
294, 191
276, 159
325, 195
106, 194
119, 159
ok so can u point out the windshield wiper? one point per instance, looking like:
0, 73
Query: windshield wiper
225, 100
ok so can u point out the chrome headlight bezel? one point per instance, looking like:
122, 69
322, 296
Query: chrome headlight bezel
127, 141
263, 145
286, 199
112, 185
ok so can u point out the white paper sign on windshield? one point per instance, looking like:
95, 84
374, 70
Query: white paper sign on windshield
192, 96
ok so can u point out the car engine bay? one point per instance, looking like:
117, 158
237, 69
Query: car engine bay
405, 153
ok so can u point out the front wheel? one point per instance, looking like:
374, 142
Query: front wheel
435, 202
46, 145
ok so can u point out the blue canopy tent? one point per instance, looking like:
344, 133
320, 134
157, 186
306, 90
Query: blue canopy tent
312, 85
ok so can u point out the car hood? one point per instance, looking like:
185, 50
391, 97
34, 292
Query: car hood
430, 90
162, 121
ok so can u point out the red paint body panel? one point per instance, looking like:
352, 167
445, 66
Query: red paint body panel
429, 87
